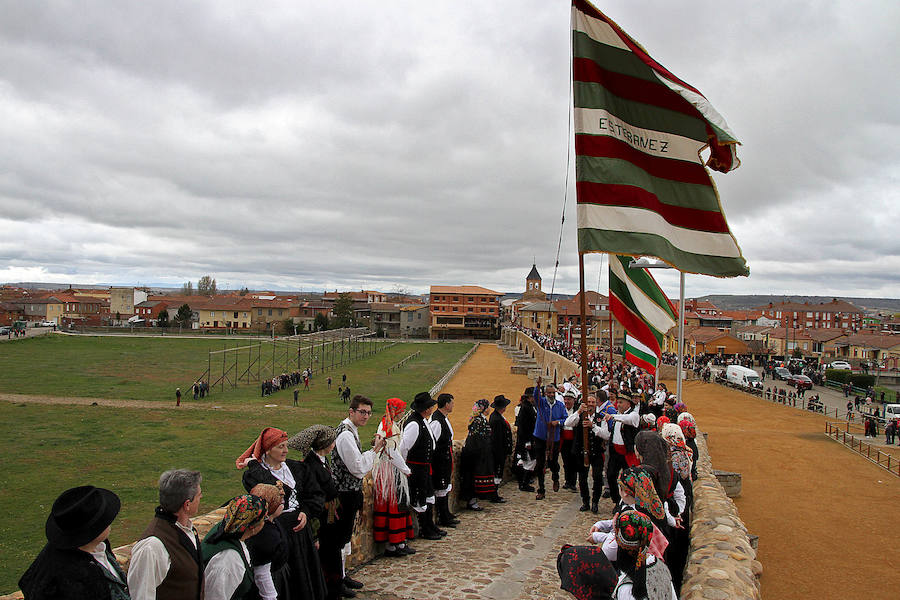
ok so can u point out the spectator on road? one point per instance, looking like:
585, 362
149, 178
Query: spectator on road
177, 396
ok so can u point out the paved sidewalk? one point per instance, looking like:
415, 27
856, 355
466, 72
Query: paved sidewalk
506, 552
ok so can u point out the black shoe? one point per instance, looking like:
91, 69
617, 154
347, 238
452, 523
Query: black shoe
353, 584
539, 496
394, 552
556, 486
406, 550
474, 506
439, 531
595, 508
451, 524
430, 535
584, 507
498, 500
526, 488
347, 592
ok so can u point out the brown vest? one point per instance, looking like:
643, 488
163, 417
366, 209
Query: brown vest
184, 581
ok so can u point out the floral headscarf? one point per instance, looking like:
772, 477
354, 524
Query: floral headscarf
314, 437
680, 407
637, 483
662, 422
242, 513
648, 421
633, 533
688, 425
478, 408
682, 456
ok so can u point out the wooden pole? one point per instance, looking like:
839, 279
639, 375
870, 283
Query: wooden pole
585, 381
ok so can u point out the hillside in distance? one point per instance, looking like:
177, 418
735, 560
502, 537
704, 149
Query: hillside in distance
737, 302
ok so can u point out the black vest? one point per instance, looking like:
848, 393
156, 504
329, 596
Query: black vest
629, 433
443, 447
423, 449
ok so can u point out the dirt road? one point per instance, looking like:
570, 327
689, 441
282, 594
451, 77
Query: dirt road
824, 515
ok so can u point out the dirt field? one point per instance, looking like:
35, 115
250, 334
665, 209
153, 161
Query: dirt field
485, 375
824, 515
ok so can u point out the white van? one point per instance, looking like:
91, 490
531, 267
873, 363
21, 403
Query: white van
891, 412
742, 376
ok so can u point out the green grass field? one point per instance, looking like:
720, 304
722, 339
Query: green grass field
50, 448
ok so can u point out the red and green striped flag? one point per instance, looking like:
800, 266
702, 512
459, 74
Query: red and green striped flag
642, 185
643, 309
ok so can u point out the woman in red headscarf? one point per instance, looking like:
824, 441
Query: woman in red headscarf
392, 524
266, 461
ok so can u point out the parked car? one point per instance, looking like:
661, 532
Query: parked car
47, 324
782, 373
801, 382
840, 364
5, 330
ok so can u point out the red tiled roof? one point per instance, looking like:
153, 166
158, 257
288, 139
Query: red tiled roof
463, 289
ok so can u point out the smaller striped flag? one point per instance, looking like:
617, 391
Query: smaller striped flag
640, 355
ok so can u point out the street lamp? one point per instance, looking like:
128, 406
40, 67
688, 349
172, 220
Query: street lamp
645, 262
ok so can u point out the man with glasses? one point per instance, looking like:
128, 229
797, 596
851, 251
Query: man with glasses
349, 464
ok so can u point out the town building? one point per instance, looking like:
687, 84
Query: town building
122, 301
837, 314
414, 321
464, 311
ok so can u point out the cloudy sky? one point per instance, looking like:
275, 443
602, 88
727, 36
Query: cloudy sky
307, 144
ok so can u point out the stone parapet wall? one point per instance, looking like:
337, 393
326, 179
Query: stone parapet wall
722, 563
552, 366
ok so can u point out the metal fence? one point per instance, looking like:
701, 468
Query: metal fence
840, 432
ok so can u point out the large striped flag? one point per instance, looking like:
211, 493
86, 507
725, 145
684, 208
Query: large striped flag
639, 130
643, 309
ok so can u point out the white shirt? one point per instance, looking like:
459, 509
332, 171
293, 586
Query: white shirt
99, 554
659, 398
435, 426
572, 423
410, 435
150, 564
680, 501
630, 418
347, 446
224, 573
284, 475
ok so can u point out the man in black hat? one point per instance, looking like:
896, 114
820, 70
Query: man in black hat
501, 437
525, 418
77, 561
442, 461
166, 561
417, 449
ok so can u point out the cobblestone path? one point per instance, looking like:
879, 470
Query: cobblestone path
506, 552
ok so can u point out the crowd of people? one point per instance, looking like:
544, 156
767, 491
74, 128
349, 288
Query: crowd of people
288, 536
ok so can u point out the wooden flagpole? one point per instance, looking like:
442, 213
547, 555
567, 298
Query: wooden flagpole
584, 368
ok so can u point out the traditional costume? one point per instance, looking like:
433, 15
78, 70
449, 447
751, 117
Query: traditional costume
442, 462
477, 461
228, 574
65, 571
417, 449
524, 457
301, 495
641, 575
501, 437
392, 522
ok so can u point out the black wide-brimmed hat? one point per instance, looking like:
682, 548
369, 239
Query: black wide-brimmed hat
79, 515
500, 401
529, 391
422, 401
